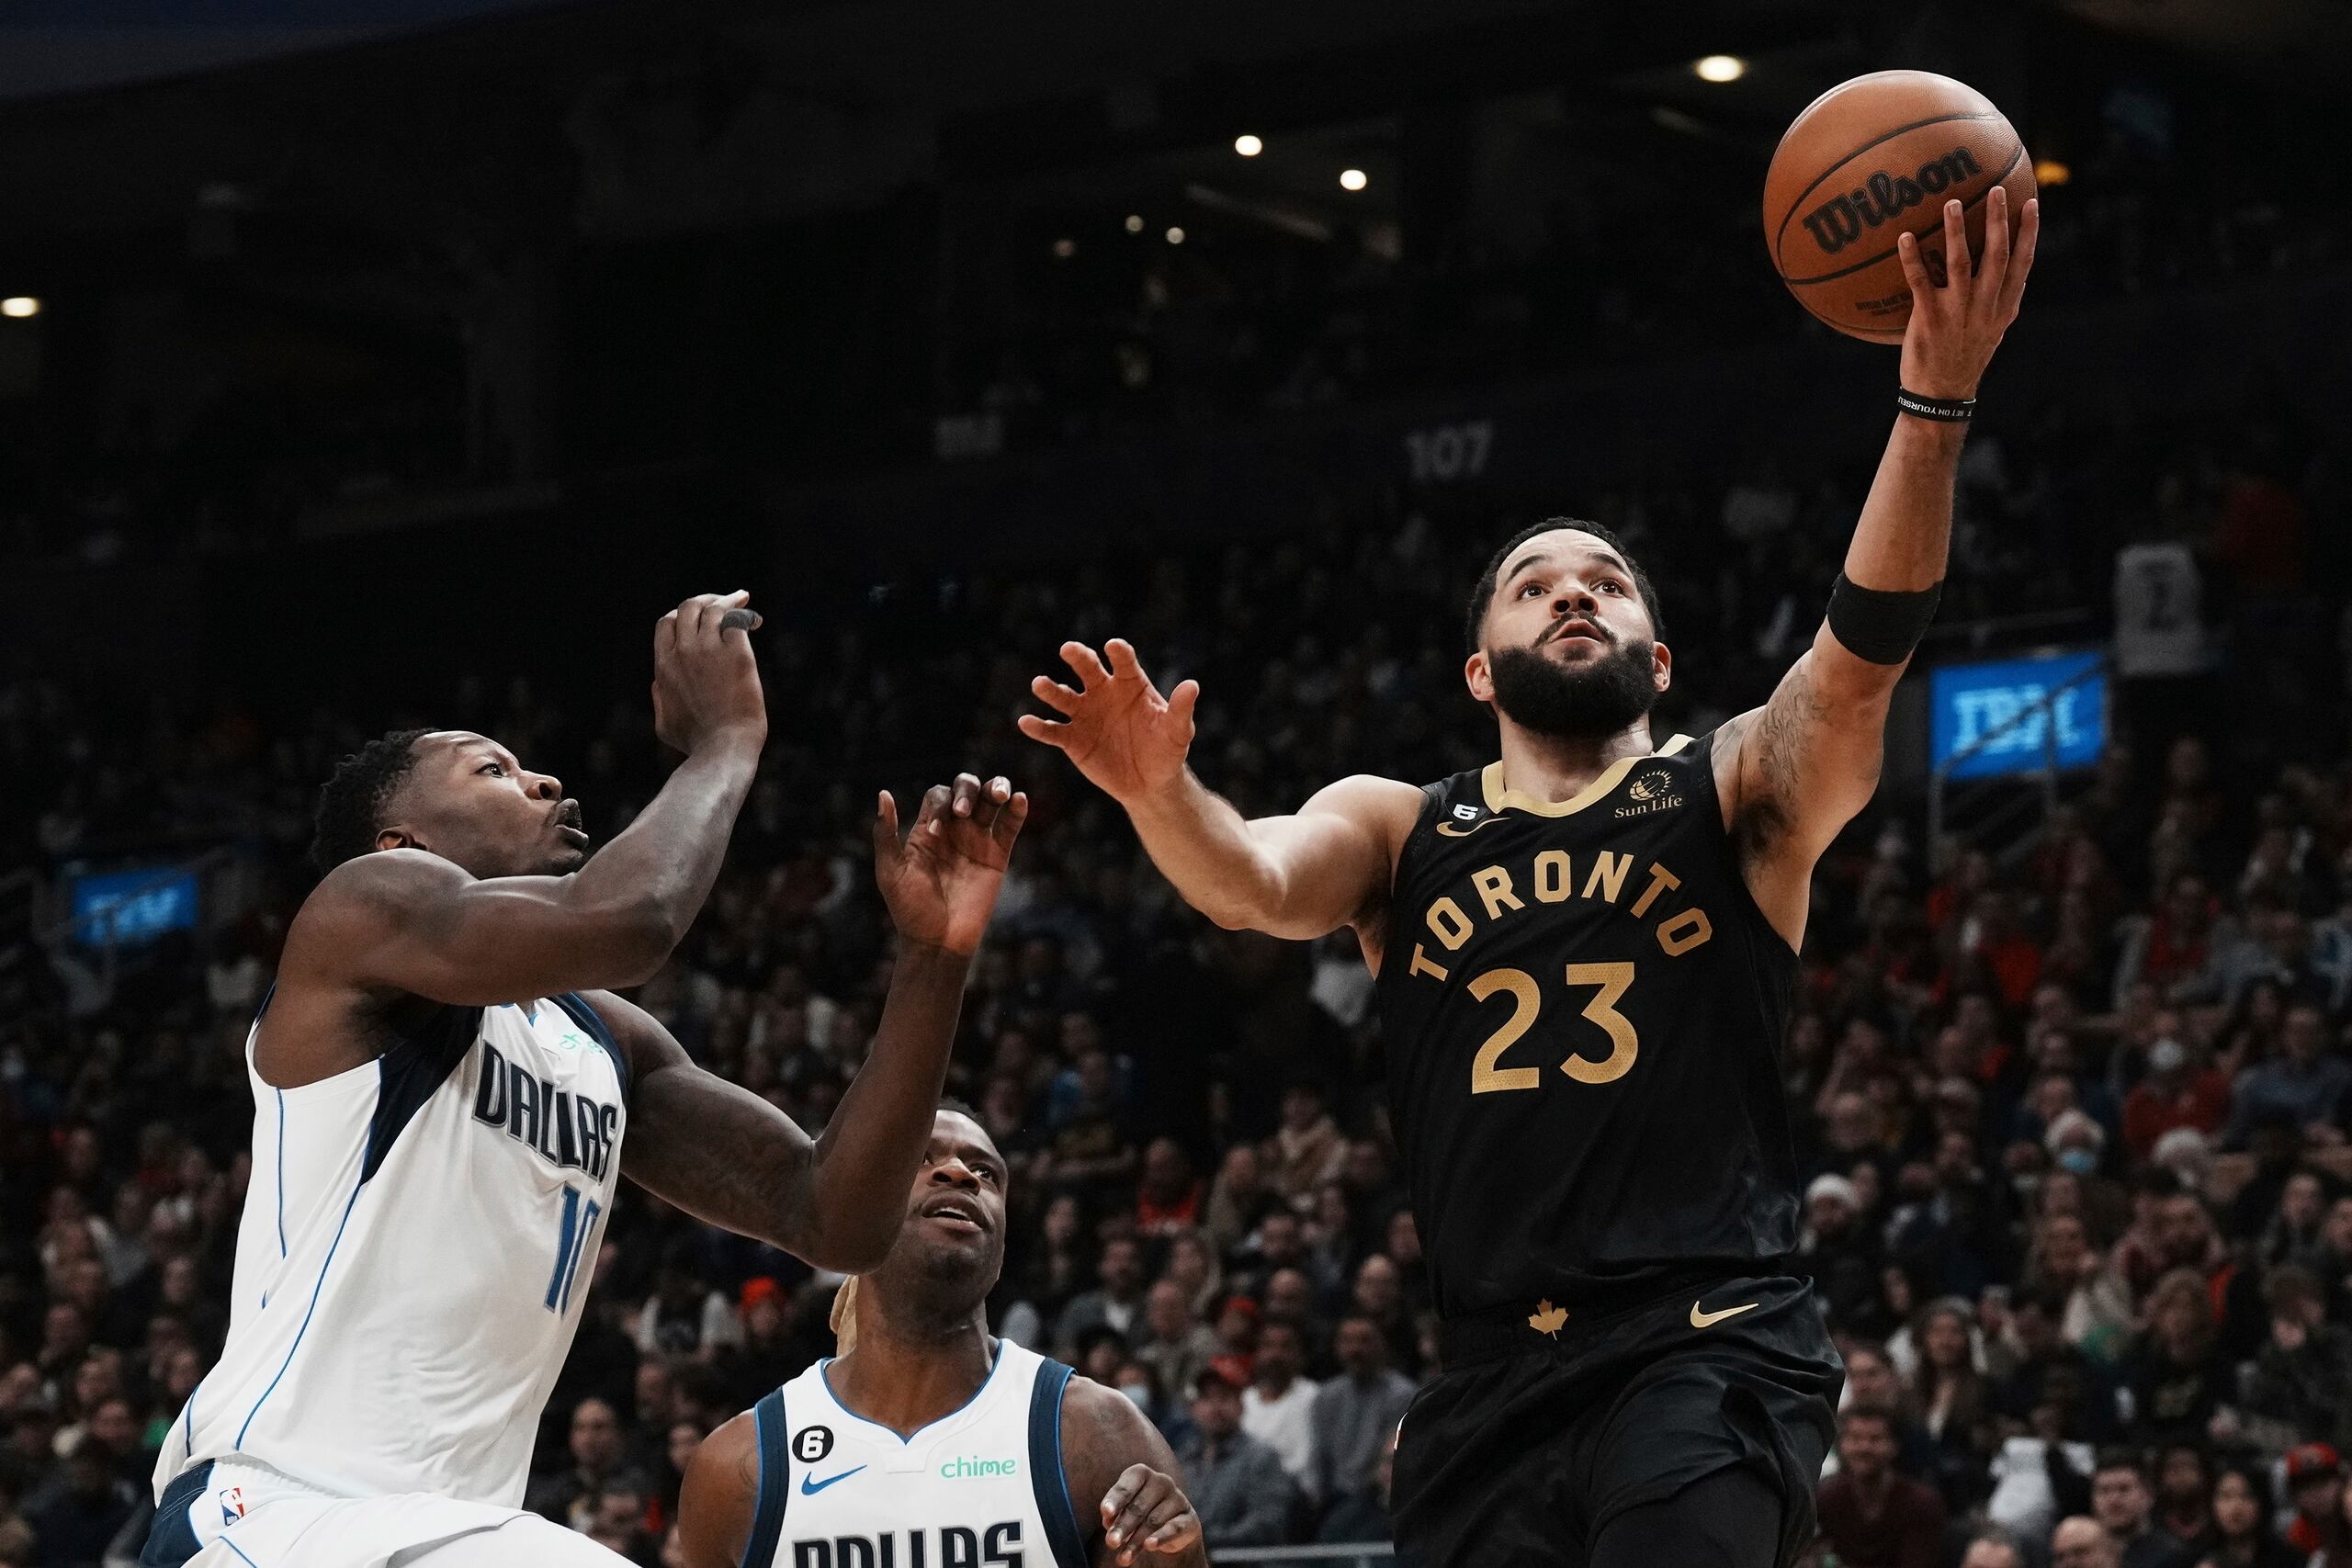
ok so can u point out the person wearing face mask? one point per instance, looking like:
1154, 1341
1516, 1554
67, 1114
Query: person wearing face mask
2179, 1091
2077, 1142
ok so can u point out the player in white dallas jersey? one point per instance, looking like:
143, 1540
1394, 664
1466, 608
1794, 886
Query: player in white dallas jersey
445, 1104
926, 1443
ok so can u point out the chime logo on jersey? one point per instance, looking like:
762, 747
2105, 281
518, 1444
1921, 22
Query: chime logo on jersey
950, 1546
570, 1130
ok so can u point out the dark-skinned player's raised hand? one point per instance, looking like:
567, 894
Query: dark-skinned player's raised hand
705, 680
941, 880
1123, 736
1146, 1511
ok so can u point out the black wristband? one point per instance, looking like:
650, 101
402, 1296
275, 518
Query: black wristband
1881, 626
1951, 411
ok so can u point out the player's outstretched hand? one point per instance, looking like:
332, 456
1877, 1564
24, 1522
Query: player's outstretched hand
1125, 736
1957, 324
940, 879
705, 681
1146, 1511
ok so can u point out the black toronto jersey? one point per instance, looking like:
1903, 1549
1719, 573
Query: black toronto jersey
1582, 1009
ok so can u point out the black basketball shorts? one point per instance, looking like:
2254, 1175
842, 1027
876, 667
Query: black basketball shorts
1543, 1428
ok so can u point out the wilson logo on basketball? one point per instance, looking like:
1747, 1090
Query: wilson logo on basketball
1839, 221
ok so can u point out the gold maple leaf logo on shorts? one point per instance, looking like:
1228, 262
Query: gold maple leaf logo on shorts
1547, 1318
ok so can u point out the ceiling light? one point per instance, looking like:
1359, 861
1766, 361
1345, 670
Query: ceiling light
1135, 222
1248, 146
1720, 68
2050, 172
1352, 179
1175, 236
1065, 248
20, 306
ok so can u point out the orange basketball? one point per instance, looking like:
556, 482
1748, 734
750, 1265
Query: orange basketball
1869, 159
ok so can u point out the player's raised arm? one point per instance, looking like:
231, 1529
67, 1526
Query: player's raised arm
412, 919
1300, 876
1800, 767
1125, 1486
730, 1158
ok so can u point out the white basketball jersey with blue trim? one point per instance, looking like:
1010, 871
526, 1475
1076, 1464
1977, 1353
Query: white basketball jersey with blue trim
414, 1257
981, 1488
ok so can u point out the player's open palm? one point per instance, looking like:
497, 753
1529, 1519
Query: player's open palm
941, 880
1959, 312
1125, 736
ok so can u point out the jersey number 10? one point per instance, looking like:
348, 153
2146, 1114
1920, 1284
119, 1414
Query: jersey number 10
1487, 1075
571, 1241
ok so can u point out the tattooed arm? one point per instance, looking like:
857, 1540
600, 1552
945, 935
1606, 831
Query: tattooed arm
729, 1158
1795, 771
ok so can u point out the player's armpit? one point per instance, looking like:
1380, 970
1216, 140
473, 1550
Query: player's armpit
1105, 1438
409, 920
718, 1498
1793, 772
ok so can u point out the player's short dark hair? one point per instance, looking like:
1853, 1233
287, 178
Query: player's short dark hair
1482, 593
351, 802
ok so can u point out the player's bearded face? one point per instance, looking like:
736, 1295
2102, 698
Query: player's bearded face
1597, 698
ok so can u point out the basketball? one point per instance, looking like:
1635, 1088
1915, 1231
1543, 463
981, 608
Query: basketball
1867, 160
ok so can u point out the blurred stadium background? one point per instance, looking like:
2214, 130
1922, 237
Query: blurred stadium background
363, 364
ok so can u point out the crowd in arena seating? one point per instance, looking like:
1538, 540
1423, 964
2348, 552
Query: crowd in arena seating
2072, 1112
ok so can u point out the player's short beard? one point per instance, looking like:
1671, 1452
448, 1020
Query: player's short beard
1590, 703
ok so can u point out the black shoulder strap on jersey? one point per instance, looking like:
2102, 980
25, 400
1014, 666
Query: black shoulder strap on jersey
419, 1063
776, 1482
1046, 1478
586, 1017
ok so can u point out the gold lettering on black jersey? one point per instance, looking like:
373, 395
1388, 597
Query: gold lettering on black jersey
1494, 890
1661, 880
1554, 876
1684, 932
1493, 883
1607, 874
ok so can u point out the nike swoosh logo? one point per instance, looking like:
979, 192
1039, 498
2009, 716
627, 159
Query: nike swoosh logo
810, 1486
1449, 831
1708, 1319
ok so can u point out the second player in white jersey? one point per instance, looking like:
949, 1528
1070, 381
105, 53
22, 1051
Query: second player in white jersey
980, 1488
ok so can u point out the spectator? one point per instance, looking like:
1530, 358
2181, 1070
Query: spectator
1874, 1517
599, 1463
1236, 1483
1176, 1344
1355, 1412
2301, 1382
77, 1513
1307, 1151
2081, 1542
2315, 1495
1278, 1406
2237, 1532
2300, 1087
1169, 1201
2177, 1092
2125, 1508
1116, 1303
1992, 1549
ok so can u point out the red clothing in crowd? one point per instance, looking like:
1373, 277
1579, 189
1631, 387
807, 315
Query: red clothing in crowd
2203, 1101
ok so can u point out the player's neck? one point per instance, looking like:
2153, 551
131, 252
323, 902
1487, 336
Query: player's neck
906, 1376
1553, 768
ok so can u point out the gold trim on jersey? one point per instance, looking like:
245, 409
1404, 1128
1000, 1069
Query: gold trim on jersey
1500, 798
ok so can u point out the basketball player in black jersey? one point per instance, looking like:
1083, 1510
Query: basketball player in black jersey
1585, 953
